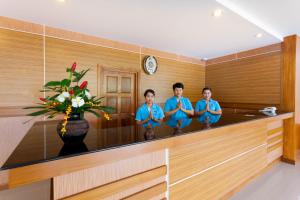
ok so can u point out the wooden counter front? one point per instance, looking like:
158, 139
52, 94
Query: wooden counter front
207, 164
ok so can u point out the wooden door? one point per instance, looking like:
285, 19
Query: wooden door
119, 91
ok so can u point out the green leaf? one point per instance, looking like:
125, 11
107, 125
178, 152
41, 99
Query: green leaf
95, 113
52, 83
51, 115
77, 90
41, 112
78, 76
107, 109
53, 97
46, 90
98, 99
34, 107
65, 83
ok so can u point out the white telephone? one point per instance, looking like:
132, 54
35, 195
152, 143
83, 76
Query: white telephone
270, 111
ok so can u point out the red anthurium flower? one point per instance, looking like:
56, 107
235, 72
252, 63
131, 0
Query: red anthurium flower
71, 92
73, 67
83, 84
43, 99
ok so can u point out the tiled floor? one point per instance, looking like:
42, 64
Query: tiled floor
281, 182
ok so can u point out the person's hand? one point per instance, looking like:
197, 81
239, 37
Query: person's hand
150, 116
179, 105
207, 106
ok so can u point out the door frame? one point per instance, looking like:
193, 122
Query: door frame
100, 81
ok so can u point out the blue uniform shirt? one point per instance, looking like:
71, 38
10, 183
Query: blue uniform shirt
179, 123
143, 113
171, 104
210, 119
201, 105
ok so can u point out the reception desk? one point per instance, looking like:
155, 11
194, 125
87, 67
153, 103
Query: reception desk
183, 159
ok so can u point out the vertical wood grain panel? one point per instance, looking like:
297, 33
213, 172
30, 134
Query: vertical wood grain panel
61, 53
193, 158
13, 24
253, 80
216, 182
170, 72
124, 187
274, 140
289, 96
100, 175
21, 65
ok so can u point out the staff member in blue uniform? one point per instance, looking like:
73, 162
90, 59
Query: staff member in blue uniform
178, 107
207, 108
149, 114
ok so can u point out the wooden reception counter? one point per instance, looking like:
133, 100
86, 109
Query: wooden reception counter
183, 159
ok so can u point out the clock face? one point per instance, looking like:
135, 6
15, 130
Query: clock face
150, 65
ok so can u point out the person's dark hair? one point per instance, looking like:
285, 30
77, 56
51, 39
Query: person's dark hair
178, 85
147, 91
206, 88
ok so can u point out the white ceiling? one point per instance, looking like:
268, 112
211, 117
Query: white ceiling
184, 27
281, 17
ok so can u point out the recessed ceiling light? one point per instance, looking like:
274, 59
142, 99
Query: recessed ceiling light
218, 13
258, 35
61, 1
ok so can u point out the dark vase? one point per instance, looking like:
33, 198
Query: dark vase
76, 129
73, 148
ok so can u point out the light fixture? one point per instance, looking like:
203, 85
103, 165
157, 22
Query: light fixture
258, 35
218, 13
61, 1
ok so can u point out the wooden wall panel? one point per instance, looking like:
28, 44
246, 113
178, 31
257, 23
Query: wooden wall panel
62, 53
254, 80
156, 192
274, 140
22, 55
14, 24
22, 68
245, 54
193, 158
217, 181
170, 72
94, 177
289, 96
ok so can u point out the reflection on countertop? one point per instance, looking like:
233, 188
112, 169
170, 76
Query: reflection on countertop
42, 143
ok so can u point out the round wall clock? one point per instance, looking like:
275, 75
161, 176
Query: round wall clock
150, 64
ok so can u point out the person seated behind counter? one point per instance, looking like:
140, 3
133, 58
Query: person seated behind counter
149, 114
207, 107
178, 107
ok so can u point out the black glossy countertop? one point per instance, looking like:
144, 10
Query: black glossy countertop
42, 143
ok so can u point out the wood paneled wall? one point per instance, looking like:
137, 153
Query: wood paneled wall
250, 78
22, 65
169, 72
32, 54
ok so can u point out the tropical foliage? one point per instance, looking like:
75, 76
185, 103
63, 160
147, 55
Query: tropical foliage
68, 96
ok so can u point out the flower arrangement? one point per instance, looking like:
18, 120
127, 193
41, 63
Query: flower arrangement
69, 97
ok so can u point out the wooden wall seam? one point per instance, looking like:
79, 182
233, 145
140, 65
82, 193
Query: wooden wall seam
27, 27
56, 53
246, 54
252, 80
219, 164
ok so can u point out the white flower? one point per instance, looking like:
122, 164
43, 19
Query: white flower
88, 95
77, 102
66, 94
60, 98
